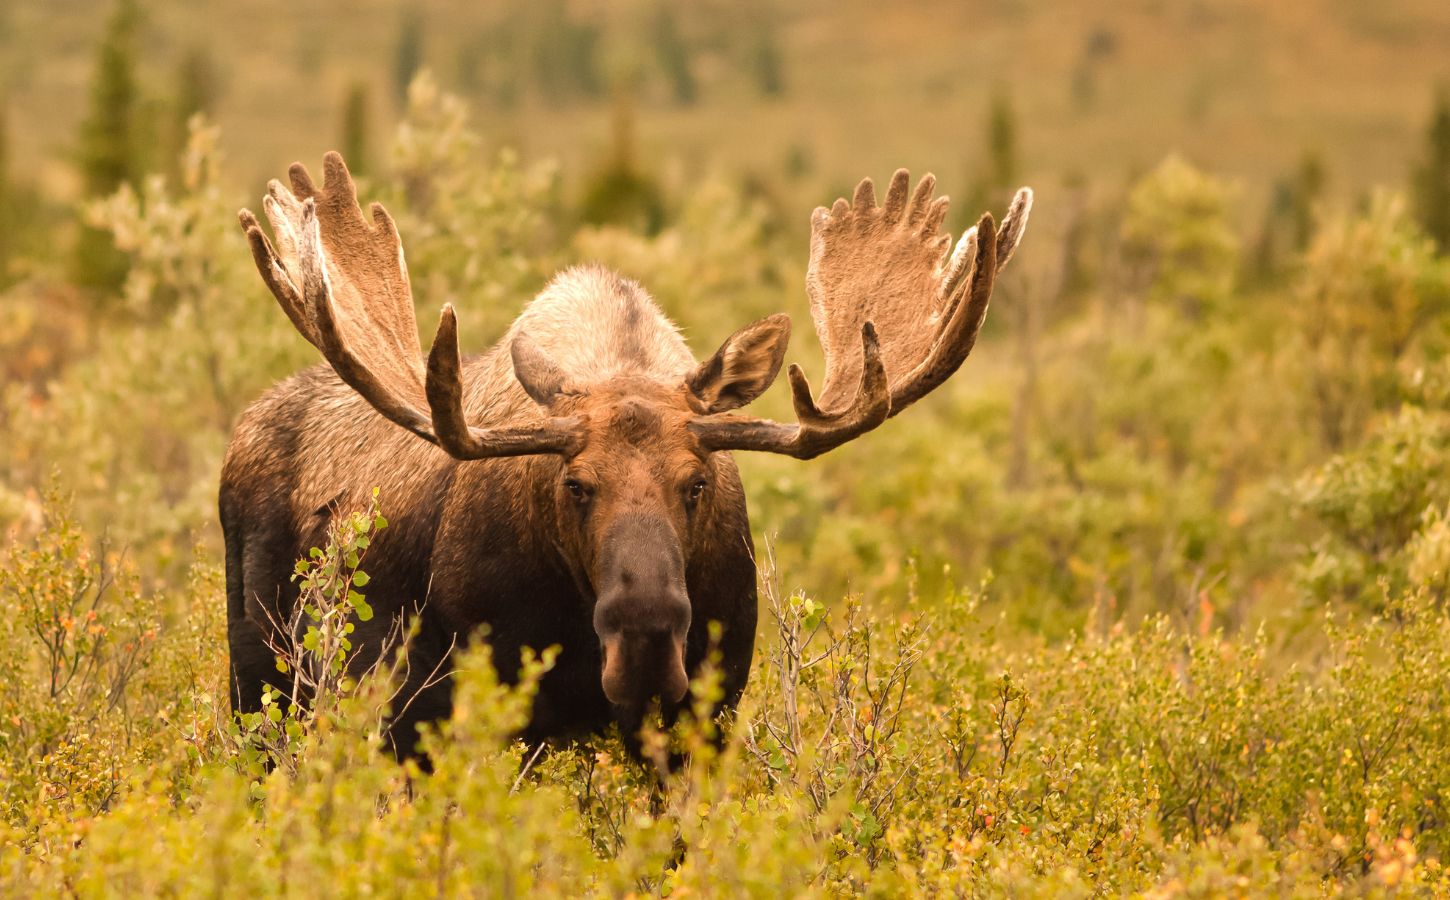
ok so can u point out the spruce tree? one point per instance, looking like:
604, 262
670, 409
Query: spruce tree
674, 56
196, 87
766, 62
7, 240
992, 184
1432, 176
408, 55
1276, 234
1002, 146
110, 145
355, 129
194, 93
619, 194
1308, 191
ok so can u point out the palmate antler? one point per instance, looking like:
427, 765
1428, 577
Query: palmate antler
896, 309
343, 283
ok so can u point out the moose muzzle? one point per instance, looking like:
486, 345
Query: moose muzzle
642, 615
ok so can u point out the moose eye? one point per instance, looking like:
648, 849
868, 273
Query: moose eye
577, 490
697, 488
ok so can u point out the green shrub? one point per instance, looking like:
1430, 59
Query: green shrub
1380, 507
916, 754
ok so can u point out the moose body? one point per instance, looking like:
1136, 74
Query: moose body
573, 486
478, 543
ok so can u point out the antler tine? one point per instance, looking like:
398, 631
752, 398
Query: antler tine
889, 267
454, 434
343, 282
960, 264
276, 277
1014, 225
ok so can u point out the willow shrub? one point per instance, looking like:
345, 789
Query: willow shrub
909, 753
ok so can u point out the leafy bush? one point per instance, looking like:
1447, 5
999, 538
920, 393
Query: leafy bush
883, 754
93, 663
1380, 505
1373, 295
1178, 239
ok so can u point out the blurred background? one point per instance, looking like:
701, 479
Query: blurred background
1214, 386
802, 98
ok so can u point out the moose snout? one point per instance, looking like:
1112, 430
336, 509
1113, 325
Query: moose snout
642, 614
642, 638
642, 665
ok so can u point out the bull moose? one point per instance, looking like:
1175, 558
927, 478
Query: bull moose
572, 486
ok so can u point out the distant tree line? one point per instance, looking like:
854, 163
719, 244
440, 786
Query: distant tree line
1431, 183
545, 47
548, 47
125, 134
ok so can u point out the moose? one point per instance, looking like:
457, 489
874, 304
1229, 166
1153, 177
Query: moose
574, 485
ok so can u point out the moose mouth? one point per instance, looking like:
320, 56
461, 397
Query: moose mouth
640, 666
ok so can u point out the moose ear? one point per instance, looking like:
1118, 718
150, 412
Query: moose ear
541, 377
743, 367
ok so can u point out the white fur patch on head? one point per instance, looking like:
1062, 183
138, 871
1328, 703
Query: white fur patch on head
595, 325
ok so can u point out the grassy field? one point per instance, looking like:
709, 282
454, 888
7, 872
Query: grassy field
1149, 600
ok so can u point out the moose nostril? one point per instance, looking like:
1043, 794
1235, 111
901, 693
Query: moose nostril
642, 613
641, 664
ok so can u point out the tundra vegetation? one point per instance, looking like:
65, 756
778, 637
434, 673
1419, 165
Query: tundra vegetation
1149, 599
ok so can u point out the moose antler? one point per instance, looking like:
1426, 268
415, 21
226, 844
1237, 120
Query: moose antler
897, 311
343, 283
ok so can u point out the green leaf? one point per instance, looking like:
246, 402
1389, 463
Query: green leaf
867, 828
